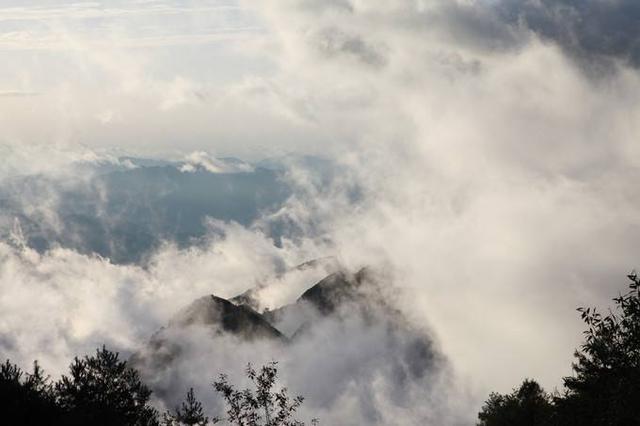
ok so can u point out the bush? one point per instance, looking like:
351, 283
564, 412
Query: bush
605, 386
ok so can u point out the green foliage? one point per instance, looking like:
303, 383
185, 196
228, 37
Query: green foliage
263, 406
605, 386
190, 413
27, 398
103, 390
100, 390
528, 405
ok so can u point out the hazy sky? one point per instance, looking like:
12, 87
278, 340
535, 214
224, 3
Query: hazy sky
151, 75
495, 143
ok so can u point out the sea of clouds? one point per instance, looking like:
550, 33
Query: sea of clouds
491, 147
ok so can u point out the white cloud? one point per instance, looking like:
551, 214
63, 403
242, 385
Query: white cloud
202, 160
494, 174
62, 303
499, 180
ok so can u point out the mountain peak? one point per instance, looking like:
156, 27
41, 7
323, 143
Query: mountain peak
226, 317
339, 288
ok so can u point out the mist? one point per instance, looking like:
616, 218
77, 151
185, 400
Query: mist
481, 154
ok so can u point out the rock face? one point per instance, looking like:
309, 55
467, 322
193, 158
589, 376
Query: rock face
350, 304
225, 317
214, 314
341, 339
339, 295
238, 318
359, 293
324, 266
338, 289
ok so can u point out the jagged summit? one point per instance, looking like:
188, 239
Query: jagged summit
225, 316
212, 313
323, 266
341, 307
338, 295
339, 288
237, 316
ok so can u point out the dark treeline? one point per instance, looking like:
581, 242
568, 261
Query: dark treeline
604, 389
102, 390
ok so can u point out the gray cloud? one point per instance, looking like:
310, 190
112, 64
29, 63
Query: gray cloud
332, 41
592, 30
472, 139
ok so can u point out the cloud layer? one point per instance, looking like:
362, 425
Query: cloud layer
488, 154
594, 30
498, 171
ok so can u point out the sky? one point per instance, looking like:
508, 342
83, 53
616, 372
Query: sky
493, 144
153, 76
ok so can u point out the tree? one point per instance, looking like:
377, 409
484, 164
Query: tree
529, 405
605, 387
190, 413
263, 406
103, 390
27, 398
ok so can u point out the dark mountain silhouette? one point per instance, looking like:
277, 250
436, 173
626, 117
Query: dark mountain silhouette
226, 317
327, 265
338, 295
335, 290
356, 300
363, 297
214, 314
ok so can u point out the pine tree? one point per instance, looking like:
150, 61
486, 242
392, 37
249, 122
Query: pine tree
190, 413
103, 390
27, 398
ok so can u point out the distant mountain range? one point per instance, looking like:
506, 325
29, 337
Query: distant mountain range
123, 210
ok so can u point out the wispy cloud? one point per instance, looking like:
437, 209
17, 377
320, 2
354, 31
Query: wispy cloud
131, 25
16, 94
73, 11
494, 172
26, 40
